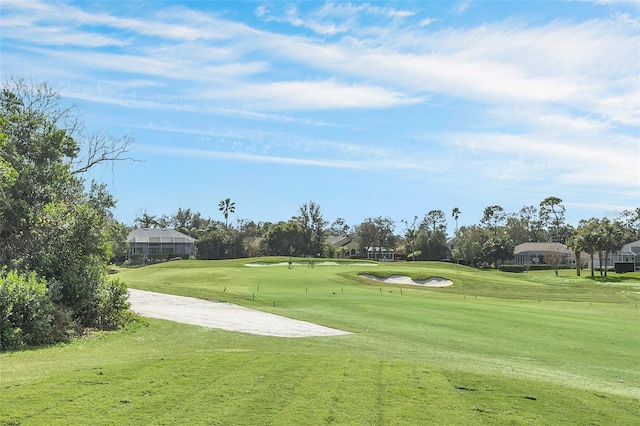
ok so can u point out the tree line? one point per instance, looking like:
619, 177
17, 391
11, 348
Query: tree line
490, 242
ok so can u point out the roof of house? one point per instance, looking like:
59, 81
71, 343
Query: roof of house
339, 240
632, 247
158, 235
541, 247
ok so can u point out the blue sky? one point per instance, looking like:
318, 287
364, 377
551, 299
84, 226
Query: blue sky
369, 109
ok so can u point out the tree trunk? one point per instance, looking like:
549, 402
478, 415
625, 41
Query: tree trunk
600, 260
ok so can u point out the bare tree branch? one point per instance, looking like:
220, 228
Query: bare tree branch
101, 148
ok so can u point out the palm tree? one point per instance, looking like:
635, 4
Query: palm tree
146, 220
455, 213
577, 243
226, 206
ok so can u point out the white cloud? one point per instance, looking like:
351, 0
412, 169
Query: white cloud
461, 7
315, 95
565, 160
427, 21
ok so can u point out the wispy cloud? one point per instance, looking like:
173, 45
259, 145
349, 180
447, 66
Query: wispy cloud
366, 165
461, 7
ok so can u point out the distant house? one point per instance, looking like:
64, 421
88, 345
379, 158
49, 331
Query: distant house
630, 252
156, 242
535, 253
381, 253
344, 246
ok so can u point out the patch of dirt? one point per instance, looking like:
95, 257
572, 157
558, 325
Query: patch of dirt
225, 316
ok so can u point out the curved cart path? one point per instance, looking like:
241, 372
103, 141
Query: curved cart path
225, 316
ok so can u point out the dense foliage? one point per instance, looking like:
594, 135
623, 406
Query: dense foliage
55, 234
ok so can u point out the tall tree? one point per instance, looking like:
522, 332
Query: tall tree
285, 238
339, 227
589, 234
435, 220
630, 220
145, 220
313, 226
577, 245
469, 243
455, 214
493, 217
431, 239
226, 206
376, 234
530, 220
552, 215
498, 249
181, 220
611, 240
411, 235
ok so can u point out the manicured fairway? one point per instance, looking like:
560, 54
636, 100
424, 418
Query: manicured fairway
494, 348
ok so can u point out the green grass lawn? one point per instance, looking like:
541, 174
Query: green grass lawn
494, 348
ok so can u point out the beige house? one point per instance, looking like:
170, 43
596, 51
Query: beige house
345, 246
535, 253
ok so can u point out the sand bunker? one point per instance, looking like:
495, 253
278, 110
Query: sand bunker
225, 316
402, 279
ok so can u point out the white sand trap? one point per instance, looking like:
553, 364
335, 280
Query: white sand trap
403, 279
225, 316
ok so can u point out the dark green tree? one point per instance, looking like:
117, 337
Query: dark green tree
497, 249
589, 235
313, 227
434, 221
469, 243
145, 220
493, 217
339, 227
221, 244
611, 239
286, 238
552, 216
411, 234
376, 234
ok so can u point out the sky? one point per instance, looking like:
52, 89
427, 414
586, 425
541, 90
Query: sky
382, 108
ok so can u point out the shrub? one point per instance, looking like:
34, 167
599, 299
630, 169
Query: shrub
26, 311
512, 268
113, 306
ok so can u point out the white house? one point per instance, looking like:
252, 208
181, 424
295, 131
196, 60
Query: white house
146, 242
630, 252
381, 253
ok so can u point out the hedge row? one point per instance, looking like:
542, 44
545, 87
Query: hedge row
523, 268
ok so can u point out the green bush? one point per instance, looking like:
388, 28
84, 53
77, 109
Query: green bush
113, 306
26, 311
512, 268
